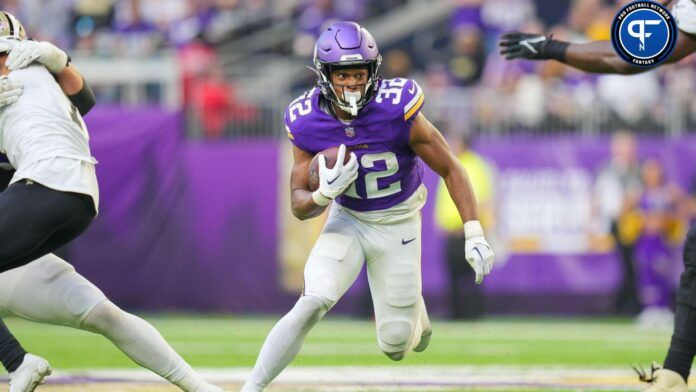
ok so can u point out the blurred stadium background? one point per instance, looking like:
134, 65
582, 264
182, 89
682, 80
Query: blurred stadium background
586, 184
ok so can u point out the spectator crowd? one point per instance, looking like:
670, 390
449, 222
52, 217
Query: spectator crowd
548, 96
467, 81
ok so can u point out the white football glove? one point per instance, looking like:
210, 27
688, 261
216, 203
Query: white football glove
26, 52
10, 91
478, 253
6, 44
333, 182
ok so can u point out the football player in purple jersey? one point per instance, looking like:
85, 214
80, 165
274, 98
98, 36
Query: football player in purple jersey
377, 195
600, 57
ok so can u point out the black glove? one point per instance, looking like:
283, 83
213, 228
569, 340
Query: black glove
516, 45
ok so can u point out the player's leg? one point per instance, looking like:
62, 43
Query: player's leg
11, 352
395, 282
26, 370
37, 220
48, 290
141, 342
332, 267
683, 346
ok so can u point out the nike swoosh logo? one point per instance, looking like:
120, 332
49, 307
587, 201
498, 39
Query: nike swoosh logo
404, 242
334, 180
479, 253
412, 89
526, 43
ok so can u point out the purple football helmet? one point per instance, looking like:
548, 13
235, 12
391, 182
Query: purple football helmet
347, 45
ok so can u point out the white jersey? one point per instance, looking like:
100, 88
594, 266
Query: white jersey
44, 136
684, 12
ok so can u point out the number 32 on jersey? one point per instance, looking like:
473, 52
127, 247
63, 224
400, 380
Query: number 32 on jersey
390, 90
372, 190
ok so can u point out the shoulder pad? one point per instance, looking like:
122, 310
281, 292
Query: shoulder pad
404, 95
297, 112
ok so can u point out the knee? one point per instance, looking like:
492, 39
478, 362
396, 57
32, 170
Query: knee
104, 316
394, 338
314, 308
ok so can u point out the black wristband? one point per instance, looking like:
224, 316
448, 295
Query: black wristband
84, 99
556, 50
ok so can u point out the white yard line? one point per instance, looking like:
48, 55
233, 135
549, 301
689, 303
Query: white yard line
397, 376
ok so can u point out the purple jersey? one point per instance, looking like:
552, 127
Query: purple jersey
389, 169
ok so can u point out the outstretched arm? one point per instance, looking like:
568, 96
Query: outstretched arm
595, 57
600, 57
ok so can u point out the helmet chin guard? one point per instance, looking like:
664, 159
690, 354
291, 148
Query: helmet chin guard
347, 45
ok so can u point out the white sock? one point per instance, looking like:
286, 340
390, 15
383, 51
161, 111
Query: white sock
284, 342
141, 342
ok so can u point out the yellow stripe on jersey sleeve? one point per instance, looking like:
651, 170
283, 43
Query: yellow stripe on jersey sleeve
287, 129
415, 107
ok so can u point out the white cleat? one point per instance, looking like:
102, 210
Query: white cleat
664, 380
30, 374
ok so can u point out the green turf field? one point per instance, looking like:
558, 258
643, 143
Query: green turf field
233, 342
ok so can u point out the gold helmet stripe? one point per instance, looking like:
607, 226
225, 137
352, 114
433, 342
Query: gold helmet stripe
10, 23
5, 24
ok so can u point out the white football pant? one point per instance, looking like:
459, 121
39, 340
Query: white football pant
49, 290
393, 255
